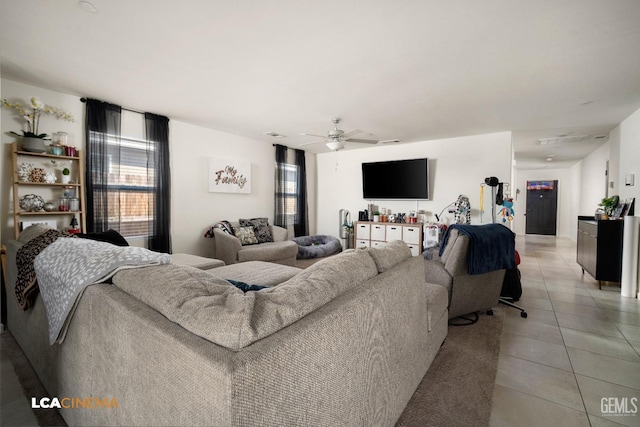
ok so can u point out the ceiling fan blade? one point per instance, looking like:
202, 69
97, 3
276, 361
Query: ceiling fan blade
363, 141
388, 141
310, 143
311, 134
351, 132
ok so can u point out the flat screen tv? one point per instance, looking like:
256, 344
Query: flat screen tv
396, 179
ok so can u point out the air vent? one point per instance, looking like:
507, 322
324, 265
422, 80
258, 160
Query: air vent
564, 139
274, 134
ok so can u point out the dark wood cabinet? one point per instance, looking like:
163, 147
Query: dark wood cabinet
599, 249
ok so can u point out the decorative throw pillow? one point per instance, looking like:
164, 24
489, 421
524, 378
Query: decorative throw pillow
260, 227
31, 232
246, 235
245, 287
110, 236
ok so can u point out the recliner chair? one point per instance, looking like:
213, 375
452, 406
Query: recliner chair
468, 293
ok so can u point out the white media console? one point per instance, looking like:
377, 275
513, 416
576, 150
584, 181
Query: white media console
371, 234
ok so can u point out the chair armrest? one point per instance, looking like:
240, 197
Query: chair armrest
435, 272
456, 263
227, 246
279, 234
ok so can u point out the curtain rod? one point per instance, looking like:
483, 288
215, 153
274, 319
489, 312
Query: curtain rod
84, 100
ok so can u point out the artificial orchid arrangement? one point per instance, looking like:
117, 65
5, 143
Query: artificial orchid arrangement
31, 113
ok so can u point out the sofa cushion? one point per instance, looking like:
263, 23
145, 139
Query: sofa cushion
256, 272
272, 251
389, 254
214, 309
246, 235
260, 227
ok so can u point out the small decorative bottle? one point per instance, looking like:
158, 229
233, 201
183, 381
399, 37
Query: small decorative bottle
74, 228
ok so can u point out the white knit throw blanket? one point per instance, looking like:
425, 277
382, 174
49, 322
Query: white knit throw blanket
67, 266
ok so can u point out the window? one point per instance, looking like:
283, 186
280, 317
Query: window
288, 193
291, 192
130, 186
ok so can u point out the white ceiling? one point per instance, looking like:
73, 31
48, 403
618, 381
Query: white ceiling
414, 70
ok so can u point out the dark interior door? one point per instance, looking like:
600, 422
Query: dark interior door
542, 207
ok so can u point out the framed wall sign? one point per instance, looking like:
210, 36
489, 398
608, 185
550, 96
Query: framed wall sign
229, 176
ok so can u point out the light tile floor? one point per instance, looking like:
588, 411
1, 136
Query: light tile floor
578, 345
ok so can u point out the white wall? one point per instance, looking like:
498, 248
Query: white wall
18, 92
623, 152
194, 209
457, 166
630, 157
614, 161
593, 181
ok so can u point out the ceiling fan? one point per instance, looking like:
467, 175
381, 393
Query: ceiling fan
337, 138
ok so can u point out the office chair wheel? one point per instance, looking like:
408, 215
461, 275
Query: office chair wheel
489, 312
523, 314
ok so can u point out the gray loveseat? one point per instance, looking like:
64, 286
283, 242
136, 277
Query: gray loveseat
281, 251
344, 342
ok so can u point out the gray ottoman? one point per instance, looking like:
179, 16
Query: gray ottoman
196, 261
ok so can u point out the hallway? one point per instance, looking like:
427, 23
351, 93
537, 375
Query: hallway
578, 345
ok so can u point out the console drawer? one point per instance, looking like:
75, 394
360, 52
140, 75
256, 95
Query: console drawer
363, 231
394, 232
411, 235
378, 232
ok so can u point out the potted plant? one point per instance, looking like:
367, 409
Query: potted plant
66, 176
609, 205
31, 139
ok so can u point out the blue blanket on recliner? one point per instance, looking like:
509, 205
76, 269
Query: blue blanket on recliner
491, 247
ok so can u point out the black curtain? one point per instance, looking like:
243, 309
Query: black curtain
280, 214
157, 136
301, 226
102, 119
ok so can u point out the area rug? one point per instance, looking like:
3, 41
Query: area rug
456, 391
457, 388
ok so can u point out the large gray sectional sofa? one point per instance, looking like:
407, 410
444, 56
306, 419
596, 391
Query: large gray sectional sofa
342, 343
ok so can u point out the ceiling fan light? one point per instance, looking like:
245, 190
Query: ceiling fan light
335, 145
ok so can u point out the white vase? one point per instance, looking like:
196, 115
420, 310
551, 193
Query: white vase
66, 179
